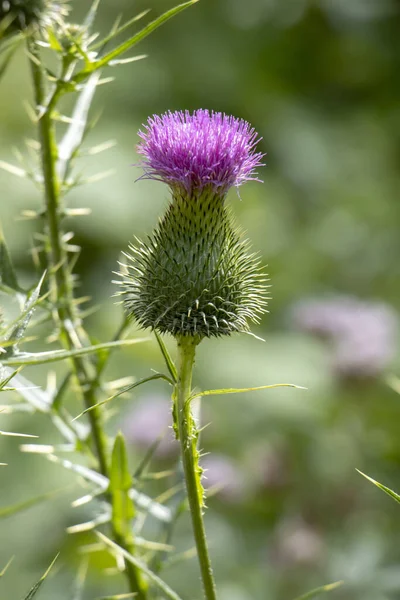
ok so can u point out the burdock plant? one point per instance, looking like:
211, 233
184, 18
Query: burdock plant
194, 276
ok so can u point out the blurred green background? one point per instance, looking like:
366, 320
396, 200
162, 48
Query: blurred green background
319, 81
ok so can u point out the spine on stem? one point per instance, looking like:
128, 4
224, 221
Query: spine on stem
188, 434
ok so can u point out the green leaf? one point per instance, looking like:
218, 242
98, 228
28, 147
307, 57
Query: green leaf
32, 593
142, 501
75, 132
123, 391
157, 581
120, 484
382, 487
243, 390
8, 276
13, 509
321, 590
38, 358
118, 30
135, 39
24, 318
167, 357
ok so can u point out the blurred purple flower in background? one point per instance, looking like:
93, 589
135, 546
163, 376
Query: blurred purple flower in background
194, 151
363, 334
149, 420
297, 543
223, 476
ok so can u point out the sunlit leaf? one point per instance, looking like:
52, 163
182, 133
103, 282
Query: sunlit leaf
155, 579
132, 41
244, 390
75, 132
117, 30
120, 484
142, 501
19, 326
382, 487
38, 358
321, 590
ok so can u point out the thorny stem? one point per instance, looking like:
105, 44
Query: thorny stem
188, 440
72, 333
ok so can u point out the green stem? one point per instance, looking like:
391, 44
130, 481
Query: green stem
73, 335
188, 440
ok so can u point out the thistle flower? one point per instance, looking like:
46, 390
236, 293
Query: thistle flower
29, 12
194, 276
199, 151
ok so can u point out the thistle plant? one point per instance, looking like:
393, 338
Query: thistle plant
194, 276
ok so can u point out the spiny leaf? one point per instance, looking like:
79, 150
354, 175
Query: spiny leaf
320, 590
75, 132
8, 276
120, 484
37, 358
13, 509
382, 487
24, 318
118, 30
167, 357
124, 390
142, 501
243, 390
32, 593
135, 39
157, 581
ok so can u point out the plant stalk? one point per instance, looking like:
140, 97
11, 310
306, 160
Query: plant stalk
72, 333
188, 440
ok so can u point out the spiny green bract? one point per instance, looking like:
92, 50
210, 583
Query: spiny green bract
28, 12
194, 276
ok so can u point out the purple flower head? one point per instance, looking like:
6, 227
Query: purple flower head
364, 334
195, 151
